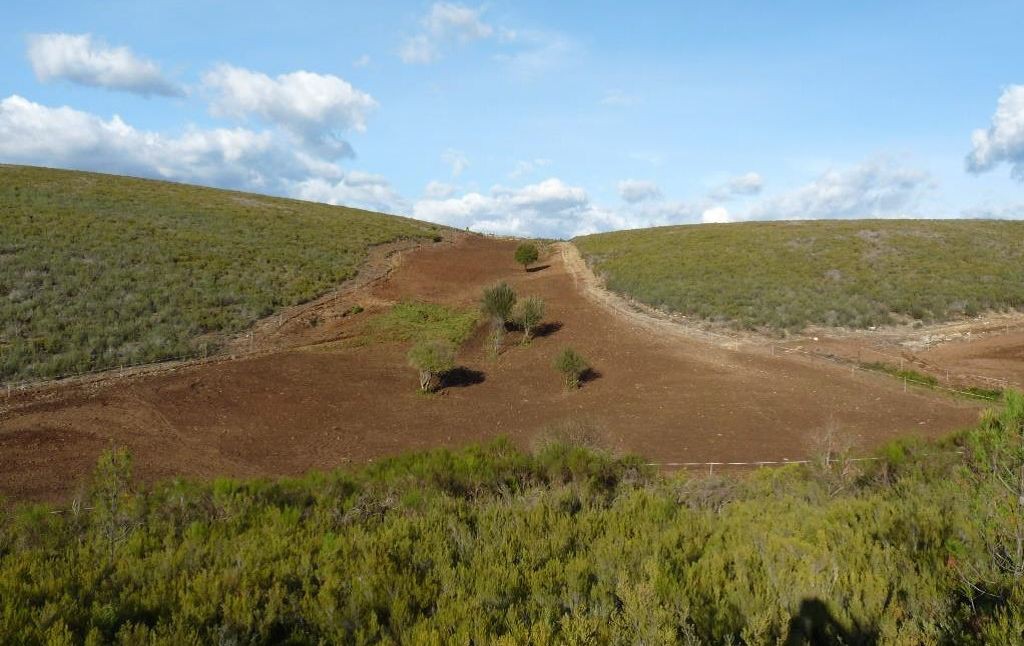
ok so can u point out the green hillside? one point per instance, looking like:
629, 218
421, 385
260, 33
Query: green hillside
98, 270
785, 275
563, 546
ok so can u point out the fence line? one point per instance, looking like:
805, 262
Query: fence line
762, 463
906, 380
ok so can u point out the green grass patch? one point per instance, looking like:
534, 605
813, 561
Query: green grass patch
910, 375
98, 270
417, 321
490, 544
786, 275
928, 381
994, 394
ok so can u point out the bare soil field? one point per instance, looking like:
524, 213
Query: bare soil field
985, 351
307, 399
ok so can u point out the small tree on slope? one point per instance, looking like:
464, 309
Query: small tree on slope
432, 359
529, 313
527, 254
573, 366
497, 305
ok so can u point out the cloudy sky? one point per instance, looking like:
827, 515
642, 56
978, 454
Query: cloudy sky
535, 118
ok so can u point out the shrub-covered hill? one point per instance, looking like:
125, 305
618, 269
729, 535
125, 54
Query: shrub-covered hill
493, 546
99, 270
785, 275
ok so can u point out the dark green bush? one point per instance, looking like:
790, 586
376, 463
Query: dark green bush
527, 254
497, 303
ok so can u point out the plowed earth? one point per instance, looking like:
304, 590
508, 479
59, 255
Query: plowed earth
313, 399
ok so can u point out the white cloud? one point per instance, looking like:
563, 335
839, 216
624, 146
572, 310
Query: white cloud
456, 159
444, 24
619, 99
356, 189
871, 189
537, 52
419, 49
549, 195
742, 185
362, 61
1004, 139
81, 59
637, 190
438, 190
527, 167
715, 215
31, 133
551, 208
314, 107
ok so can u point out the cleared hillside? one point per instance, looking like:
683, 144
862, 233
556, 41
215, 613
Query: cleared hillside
492, 545
98, 270
785, 275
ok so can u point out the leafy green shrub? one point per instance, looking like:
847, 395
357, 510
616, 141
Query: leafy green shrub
432, 359
528, 314
527, 254
573, 366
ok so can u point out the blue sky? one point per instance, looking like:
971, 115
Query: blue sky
535, 118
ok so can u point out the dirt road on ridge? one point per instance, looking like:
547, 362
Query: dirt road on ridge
668, 396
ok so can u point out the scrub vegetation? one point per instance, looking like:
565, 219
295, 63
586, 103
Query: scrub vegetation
786, 275
98, 271
564, 545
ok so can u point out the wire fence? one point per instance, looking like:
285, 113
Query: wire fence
828, 459
901, 364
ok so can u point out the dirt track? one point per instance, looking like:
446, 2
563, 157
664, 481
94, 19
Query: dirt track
671, 397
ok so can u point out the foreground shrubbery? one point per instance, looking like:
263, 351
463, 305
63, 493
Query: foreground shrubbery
98, 270
785, 275
491, 545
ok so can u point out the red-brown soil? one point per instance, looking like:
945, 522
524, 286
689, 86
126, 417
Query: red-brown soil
667, 396
986, 352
